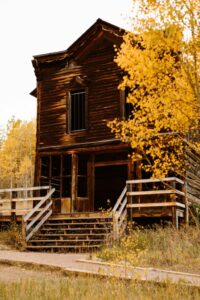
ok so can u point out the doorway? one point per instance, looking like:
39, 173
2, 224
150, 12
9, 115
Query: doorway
109, 183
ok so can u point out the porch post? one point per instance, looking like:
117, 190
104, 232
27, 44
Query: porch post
91, 181
74, 181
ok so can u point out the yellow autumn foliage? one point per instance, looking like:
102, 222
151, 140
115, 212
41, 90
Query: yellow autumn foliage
17, 155
161, 63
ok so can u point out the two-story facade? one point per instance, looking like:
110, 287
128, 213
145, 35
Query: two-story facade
77, 94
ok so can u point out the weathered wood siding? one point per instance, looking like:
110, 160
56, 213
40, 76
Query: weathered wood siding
103, 103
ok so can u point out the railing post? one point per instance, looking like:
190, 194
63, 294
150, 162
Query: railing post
186, 203
115, 226
129, 200
24, 232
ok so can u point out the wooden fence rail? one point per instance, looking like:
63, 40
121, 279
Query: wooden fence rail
157, 193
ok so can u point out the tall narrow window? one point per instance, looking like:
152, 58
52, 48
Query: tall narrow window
128, 107
77, 110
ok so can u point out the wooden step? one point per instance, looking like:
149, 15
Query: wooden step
78, 224
62, 241
89, 215
80, 232
63, 247
72, 234
66, 243
75, 229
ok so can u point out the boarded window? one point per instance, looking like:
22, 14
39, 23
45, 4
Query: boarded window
77, 110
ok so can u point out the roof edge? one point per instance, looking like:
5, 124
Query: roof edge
64, 53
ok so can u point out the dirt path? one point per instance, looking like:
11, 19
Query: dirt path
10, 273
80, 264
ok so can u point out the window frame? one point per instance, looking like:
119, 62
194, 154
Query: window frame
124, 105
80, 88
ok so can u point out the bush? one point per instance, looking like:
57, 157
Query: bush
162, 248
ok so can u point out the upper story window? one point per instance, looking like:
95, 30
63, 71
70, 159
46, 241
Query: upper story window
77, 111
128, 107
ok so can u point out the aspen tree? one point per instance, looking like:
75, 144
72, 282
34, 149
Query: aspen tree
17, 154
160, 58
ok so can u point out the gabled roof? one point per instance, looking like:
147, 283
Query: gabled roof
81, 46
99, 28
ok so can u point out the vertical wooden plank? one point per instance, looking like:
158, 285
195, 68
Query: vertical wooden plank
61, 175
91, 181
139, 176
130, 167
74, 181
186, 203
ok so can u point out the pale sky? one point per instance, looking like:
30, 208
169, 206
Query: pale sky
31, 27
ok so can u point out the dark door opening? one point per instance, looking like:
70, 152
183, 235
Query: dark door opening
109, 183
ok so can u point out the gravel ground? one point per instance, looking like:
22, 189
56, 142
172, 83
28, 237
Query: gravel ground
9, 274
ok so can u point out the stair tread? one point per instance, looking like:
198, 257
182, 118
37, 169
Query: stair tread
52, 218
74, 229
47, 241
71, 234
71, 223
67, 246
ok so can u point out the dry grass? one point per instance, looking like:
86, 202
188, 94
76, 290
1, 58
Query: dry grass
76, 288
162, 248
11, 237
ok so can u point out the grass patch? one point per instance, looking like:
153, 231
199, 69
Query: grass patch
166, 248
12, 237
73, 288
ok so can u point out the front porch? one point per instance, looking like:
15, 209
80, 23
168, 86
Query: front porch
87, 180
140, 200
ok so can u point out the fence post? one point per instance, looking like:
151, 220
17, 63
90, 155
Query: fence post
24, 232
115, 226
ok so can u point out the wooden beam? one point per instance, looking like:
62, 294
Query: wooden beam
111, 163
167, 179
25, 189
74, 181
156, 192
91, 180
158, 204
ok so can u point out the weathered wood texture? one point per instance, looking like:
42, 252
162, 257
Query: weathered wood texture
88, 63
193, 175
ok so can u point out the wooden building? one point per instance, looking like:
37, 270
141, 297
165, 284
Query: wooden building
77, 94
86, 187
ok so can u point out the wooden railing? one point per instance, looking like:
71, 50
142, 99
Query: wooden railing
19, 201
151, 193
119, 214
33, 221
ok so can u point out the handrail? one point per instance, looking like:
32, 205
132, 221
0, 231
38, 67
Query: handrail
172, 194
119, 213
119, 199
19, 201
155, 192
167, 179
43, 200
169, 190
193, 198
35, 188
29, 220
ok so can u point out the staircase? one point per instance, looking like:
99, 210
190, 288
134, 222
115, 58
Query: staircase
72, 233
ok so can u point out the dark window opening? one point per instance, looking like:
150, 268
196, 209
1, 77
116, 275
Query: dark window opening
77, 111
55, 175
128, 107
56, 172
82, 176
66, 176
